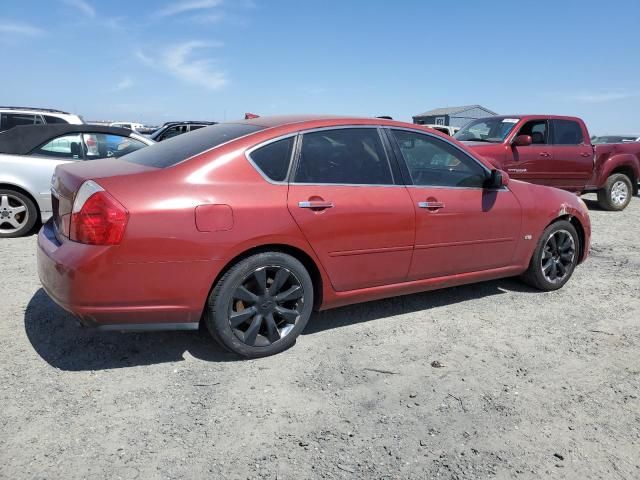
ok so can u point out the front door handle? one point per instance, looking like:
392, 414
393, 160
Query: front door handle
585, 154
431, 205
545, 154
315, 204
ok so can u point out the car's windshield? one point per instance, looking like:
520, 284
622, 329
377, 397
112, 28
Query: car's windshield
493, 130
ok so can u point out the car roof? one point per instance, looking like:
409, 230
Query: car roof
23, 139
532, 115
34, 109
312, 121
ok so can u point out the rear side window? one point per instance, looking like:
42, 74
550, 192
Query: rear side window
175, 150
49, 119
567, 132
273, 159
67, 147
344, 156
10, 120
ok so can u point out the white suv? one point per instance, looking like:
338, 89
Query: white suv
13, 116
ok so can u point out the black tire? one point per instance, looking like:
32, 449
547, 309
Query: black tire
24, 221
272, 290
540, 274
617, 186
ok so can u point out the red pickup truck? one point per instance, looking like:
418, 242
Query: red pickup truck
556, 151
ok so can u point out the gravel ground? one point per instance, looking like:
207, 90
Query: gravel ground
487, 380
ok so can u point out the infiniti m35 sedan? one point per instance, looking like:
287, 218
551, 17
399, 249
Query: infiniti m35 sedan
247, 227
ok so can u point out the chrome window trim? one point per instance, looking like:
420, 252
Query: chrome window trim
249, 151
454, 146
343, 127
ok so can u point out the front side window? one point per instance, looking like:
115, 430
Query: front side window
567, 132
273, 159
492, 130
174, 132
433, 162
343, 156
66, 147
100, 145
537, 130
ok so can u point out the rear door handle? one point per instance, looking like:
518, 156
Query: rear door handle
585, 154
544, 154
315, 204
431, 205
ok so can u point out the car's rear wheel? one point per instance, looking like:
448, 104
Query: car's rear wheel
260, 305
555, 257
18, 214
616, 193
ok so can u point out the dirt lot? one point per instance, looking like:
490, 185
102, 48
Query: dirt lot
532, 385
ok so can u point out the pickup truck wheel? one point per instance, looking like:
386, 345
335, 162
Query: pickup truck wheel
18, 214
616, 193
555, 257
260, 305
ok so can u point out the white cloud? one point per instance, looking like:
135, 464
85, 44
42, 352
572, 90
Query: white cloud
208, 18
181, 62
16, 28
123, 84
82, 6
178, 7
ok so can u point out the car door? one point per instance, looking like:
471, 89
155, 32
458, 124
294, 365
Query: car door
572, 156
357, 219
533, 163
460, 226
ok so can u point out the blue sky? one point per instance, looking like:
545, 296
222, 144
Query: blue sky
216, 59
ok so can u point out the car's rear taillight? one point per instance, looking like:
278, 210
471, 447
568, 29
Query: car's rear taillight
97, 218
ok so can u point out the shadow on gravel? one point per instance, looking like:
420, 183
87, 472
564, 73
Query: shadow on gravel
63, 344
593, 205
365, 312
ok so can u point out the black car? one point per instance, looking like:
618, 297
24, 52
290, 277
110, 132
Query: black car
173, 129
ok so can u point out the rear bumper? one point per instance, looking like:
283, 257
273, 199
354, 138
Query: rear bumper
91, 283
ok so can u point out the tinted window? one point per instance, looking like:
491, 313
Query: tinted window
173, 132
537, 130
166, 154
10, 120
196, 127
100, 145
566, 132
347, 156
273, 159
50, 119
433, 162
66, 147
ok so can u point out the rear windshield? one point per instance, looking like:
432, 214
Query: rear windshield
177, 149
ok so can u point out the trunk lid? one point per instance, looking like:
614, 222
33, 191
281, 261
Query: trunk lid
68, 178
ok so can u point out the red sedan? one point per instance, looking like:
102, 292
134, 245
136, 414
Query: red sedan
249, 226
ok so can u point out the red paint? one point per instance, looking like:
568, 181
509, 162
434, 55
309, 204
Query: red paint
374, 242
577, 168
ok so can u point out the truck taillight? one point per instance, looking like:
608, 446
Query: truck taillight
97, 218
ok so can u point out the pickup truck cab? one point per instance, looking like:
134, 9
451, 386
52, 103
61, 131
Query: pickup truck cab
557, 151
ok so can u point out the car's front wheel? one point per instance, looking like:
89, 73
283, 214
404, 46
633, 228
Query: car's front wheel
260, 305
555, 257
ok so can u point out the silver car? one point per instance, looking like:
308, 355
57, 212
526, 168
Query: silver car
30, 154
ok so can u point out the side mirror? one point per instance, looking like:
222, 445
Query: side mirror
497, 179
522, 141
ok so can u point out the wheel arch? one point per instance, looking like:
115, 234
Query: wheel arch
297, 253
629, 172
577, 224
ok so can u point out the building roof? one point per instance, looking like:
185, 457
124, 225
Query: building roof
452, 110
